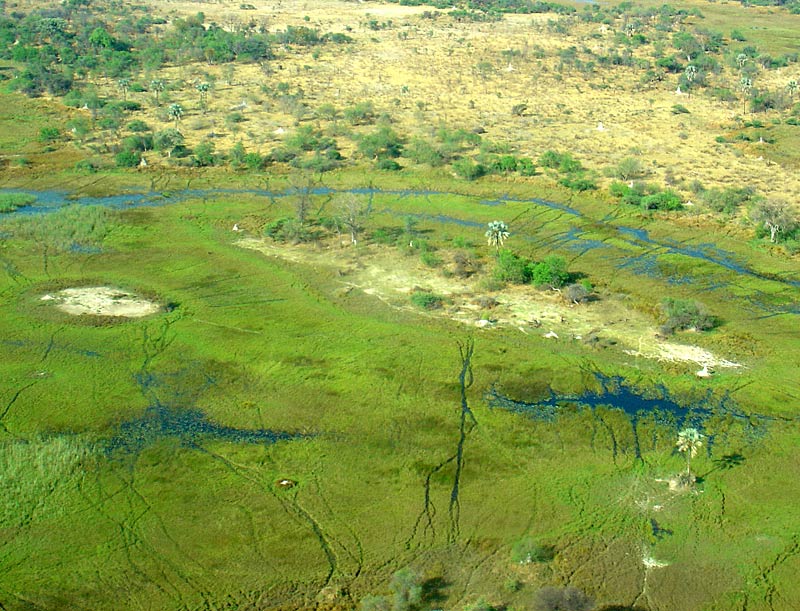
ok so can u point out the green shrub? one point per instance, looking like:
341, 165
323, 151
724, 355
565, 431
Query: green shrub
528, 550
550, 272
679, 109
663, 200
388, 164
127, 159
49, 134
468, 169
431, 259
512, 268
427, 301
138, 126
685, 314
578, 183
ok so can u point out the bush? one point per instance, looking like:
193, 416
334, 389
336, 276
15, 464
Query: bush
127, 159
562, 599
728, 200
578, 183
551, 272
431, 259
388, 164
362, 113
528, 550
679, 109
49, 134
663, 200
138, 126
512, 268
468, 169
685, 314
427, 301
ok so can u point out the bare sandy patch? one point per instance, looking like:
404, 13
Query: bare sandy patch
392, 277
101, 301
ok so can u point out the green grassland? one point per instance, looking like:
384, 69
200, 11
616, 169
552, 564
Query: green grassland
174, 521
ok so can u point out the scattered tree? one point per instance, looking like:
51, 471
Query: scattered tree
562, 599
690, 440
775, 216
497, 234
175, 112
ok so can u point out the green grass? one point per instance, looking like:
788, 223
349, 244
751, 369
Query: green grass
9, 202
259, 342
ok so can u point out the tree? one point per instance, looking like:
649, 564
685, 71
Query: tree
497, 234
175, 112
791, 88
353, 212
746, 87
124, 84
562, 599
203, 89
690, 440
406, 587
774, 215
157, 86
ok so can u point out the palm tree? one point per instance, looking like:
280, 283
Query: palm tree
690, 440
175, 112
745, 86
791, 88
124, 85
203, 89
157, 86
497, 234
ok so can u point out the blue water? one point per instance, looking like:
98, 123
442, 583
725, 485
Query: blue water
616, 393
189, 426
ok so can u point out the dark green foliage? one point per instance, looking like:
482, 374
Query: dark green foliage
663, 200
679, 109
563, 162
426, 301
49, 134
648, 197
512, 268
423, 152
138, 126
578, 183
166, 140
381, 144
253, 161
127, 159
468, 169
204, 155
388, 164
728, 200
685, 314
550, 272
528, 550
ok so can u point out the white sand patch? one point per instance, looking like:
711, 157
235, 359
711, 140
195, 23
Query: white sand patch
667, 351
102, 301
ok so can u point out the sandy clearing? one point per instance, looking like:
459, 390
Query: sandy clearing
391, 277
101, 301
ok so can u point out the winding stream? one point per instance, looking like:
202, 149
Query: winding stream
639, 240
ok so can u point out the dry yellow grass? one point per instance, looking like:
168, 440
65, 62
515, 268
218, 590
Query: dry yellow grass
425, 73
